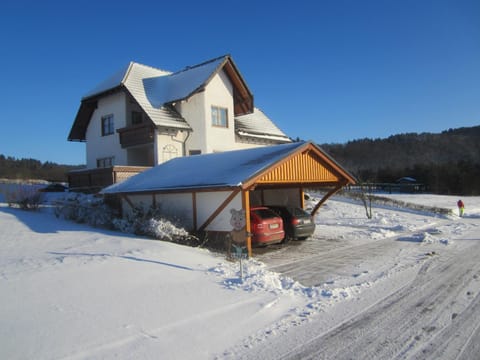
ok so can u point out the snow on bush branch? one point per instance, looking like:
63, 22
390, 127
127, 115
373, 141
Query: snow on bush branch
151, 222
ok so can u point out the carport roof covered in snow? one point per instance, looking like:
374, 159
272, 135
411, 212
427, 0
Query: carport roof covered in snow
294, 164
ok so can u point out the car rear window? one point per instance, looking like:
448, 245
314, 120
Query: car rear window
300, 212
265, 213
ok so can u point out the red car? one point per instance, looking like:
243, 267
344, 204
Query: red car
266, 225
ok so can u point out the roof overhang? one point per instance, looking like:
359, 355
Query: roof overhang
279, 166
85, 112
79, 127
277, 138
242, 96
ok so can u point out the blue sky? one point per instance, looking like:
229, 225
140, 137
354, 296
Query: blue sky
327, 71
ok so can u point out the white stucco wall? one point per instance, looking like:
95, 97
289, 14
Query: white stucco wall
219, 92
193, 111
99, 146
180, 206
244, 145
208, 202
197, 111
177, 206
169, 144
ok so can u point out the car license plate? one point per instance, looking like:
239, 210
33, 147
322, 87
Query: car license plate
307, 221
273, 226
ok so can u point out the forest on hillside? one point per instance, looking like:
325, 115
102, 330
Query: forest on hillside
12, 168
447, 162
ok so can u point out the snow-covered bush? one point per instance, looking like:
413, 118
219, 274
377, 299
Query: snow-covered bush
153, 222
82, 208
150, 222
25, 197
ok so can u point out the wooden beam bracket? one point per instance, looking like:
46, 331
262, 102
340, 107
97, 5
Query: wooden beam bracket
327, 196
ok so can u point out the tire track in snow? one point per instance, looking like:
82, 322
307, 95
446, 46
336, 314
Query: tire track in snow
398, 326
318, 266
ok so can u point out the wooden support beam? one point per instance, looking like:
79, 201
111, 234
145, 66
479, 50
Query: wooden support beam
126, 198
302, 197
194, 208
326, 197
248, 225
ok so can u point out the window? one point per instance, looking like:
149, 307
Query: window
108, 128
219, 116
136, 117
105, 162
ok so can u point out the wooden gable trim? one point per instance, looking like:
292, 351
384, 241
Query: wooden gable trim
84, 114
303, 167
80, 124
243, 98
307, 166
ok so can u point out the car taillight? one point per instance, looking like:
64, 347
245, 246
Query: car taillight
295, 221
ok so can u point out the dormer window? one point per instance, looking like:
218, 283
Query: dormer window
108, 127
219, 116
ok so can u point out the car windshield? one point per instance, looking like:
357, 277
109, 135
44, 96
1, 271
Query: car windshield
265, 213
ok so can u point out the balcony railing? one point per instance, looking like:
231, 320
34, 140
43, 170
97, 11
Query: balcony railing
136, 135
93, 180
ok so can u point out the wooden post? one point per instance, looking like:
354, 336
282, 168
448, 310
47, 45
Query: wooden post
246, 208
302, 198
194, 210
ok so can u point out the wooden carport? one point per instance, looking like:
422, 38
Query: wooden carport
232, 177
308, 167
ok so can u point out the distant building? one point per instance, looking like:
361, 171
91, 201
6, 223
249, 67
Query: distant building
408, 184
406, 180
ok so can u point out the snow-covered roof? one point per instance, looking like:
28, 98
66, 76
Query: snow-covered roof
258, 125
162, 90
133, 78
155, 90
161, 115
226, 169
110, 83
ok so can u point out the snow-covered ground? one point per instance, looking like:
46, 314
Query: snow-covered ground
71, 291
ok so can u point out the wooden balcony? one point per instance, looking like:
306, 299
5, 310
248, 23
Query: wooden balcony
93, 180
136, 135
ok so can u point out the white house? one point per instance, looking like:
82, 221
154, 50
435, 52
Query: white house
143, 116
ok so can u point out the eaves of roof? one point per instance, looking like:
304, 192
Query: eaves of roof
239, 168
258, 125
